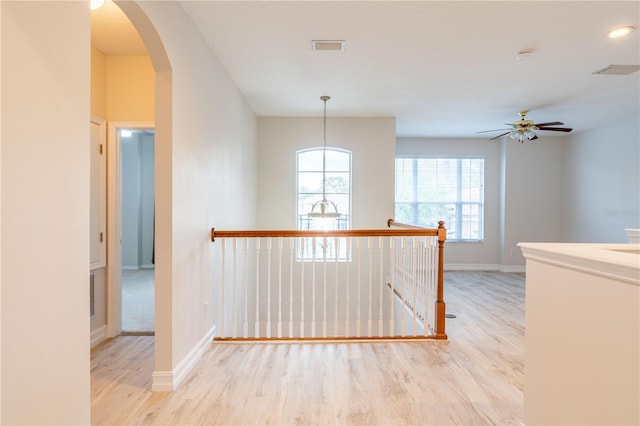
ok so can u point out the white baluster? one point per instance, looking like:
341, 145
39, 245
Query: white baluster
257, 320
427, 283
246, 288
324, 286
347, 287
392, 275
223, 284
403, 284
370, 260
313, 287
381, 285
234, 324
335, 291
291, 260
358, 293
421, 280
414, 274
302, 289
279, 287
269, 287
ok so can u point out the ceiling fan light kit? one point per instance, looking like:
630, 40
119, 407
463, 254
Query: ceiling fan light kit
523, 129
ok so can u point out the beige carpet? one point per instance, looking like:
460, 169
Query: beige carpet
138, 305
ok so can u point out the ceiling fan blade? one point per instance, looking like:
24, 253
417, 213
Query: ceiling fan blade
496, 130
499, 136
556, 129
551, 123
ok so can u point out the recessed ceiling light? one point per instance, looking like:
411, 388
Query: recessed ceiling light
96, 4
620, 31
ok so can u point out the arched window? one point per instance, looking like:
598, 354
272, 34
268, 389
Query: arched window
337, 186
312, 184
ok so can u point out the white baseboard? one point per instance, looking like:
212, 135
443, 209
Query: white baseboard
168, 381
512, 268
130, 268
470, 267
483, 267
98, 335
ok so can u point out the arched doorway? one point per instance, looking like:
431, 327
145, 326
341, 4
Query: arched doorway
162, 246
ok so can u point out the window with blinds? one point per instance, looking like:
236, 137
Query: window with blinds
430, 189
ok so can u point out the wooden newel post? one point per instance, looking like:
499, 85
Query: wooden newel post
440, 305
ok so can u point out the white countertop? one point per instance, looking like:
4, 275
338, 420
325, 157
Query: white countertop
620, 261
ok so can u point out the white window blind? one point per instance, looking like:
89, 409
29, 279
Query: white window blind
451, 189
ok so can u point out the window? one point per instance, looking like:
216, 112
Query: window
337, 189
337, 186
451, 189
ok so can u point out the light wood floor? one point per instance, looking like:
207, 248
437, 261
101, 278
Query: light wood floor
475, 378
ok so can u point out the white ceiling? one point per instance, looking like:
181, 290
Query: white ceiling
442, 68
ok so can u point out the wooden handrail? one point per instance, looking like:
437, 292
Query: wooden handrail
441, 231
391, 222
332, 233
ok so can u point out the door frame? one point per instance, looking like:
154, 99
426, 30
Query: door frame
114, 218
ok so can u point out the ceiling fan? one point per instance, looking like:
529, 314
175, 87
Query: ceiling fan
526, 129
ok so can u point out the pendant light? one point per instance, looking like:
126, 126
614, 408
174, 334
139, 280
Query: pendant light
324, 208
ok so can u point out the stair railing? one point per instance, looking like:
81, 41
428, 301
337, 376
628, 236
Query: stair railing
341, 284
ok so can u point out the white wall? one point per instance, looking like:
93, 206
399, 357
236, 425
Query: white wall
45, 177
602, 182
205, 176
532, 196
372, 142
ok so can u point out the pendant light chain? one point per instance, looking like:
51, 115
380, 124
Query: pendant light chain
324, 149
324, 208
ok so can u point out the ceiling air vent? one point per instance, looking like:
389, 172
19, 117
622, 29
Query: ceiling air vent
618, 69
327, 44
